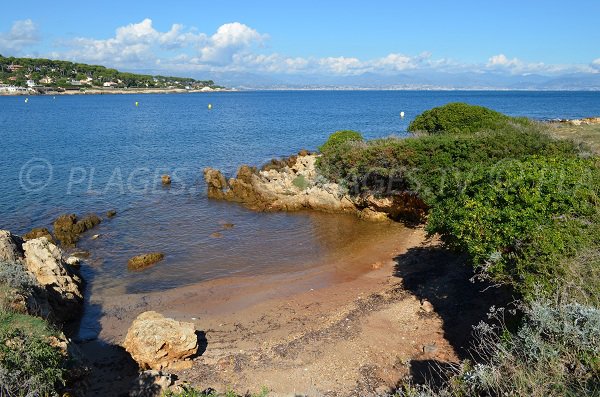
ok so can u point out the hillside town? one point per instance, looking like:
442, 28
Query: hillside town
31, 76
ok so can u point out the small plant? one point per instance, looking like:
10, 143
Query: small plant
300, 182
14, 275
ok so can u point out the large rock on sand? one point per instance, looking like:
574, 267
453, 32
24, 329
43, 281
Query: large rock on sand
44, 261
156, 342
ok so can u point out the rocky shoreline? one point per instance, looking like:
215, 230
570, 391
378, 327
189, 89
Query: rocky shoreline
294, 183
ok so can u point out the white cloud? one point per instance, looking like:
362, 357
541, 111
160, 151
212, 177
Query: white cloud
596, 65
22, 34
140, 45
502, 61
230, 39
517, 66
342, 65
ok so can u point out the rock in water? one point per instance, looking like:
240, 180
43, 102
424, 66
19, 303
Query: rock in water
166, 179
111, 213
68, 227
156, 342
38, 232
145, 260
44, 260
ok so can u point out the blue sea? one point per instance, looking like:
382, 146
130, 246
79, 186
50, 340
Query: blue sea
81, 154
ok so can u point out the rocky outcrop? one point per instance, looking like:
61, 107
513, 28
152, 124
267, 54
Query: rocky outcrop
294, 184
56, 290
143, 261
10, 247
45, 262
156, 342
68, 228
584, 121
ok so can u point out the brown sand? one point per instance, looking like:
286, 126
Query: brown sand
355, 326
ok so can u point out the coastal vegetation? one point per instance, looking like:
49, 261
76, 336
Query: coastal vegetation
30, 365
523, 207
70, 75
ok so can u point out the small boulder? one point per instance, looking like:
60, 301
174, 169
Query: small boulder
145, 260
37, 233
227, 225
426, 306
111, 213
303, 153
166, 179
73, 261
216, 235
157, 342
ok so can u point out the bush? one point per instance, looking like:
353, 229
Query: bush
15, 276
458, 118
338, 138
519, 220
425, 164
554, 353
29, 364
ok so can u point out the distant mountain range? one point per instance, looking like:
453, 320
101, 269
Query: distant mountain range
415, 80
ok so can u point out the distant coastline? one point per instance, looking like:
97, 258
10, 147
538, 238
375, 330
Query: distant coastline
112, 91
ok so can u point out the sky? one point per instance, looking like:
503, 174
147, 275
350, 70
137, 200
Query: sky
312, 38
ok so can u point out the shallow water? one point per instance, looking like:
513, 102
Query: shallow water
93, 153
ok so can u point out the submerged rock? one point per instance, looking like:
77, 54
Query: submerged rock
67, 227
37, 233
157, 342
111, 213
81, 254
166, 179
145, 260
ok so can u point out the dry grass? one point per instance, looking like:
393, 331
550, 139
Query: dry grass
588, 134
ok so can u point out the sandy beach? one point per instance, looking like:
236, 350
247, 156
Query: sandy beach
354, 326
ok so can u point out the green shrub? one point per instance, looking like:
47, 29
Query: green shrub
339, 138
519, 220
427, 164
554, 353
29, 365
459, 118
